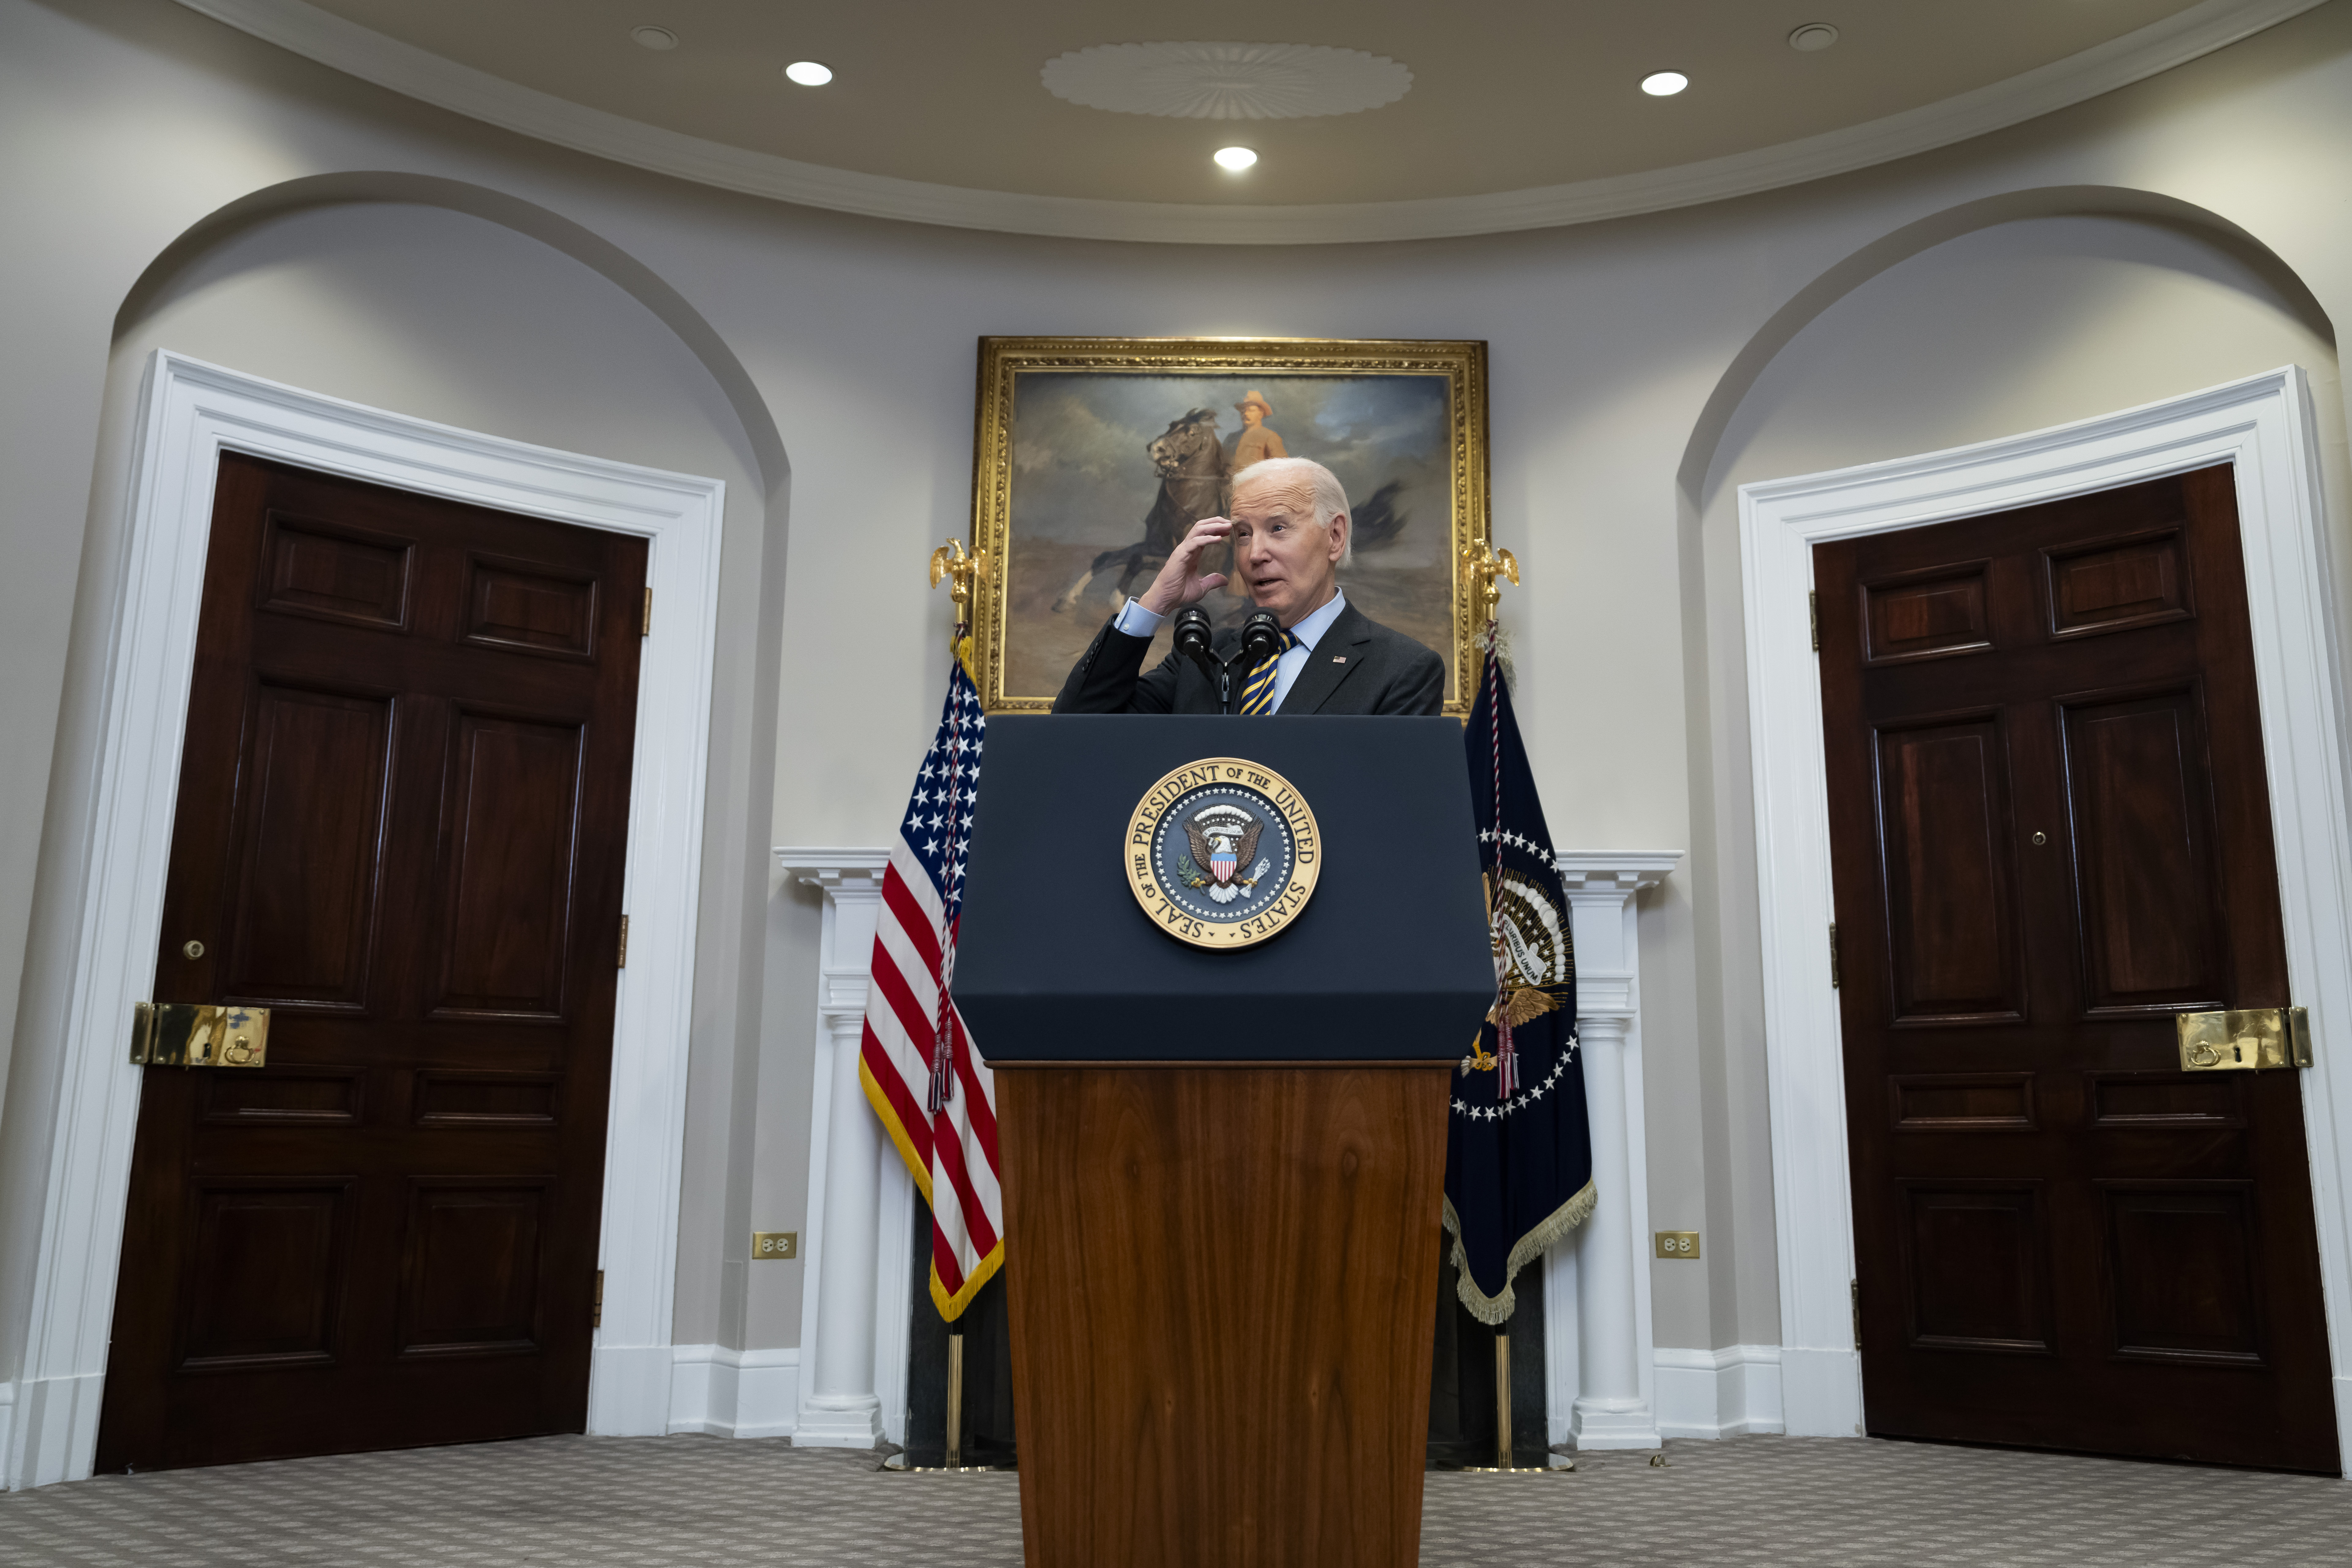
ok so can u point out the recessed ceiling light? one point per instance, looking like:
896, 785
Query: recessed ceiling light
1813, 37
655, 37
1235, 158
1664, 84
808, 73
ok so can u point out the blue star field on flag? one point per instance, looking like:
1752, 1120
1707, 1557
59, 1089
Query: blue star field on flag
939, 813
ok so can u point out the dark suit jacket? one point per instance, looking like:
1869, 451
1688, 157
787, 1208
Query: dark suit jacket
1358, 667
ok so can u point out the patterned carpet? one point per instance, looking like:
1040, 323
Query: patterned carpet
687, 1501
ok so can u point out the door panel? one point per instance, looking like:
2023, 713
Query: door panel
2113, 585
530, 609
1978, 1269
336, 572
1930, 614
2143, 852
513, 788
402, 822
308, 846
1948, 888
2181, 1261
1944, 1102
2050, 834
472, 1283
267, 1265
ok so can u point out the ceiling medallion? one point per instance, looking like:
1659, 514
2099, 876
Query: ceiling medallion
1226, 81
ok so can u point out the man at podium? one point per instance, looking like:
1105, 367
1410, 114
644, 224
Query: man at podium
1290, 536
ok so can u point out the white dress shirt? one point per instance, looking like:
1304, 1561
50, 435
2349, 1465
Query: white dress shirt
1138, 622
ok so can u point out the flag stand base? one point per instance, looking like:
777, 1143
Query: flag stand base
1558, 1464
955, 1464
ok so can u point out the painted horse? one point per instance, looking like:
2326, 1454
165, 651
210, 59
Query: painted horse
1191, 462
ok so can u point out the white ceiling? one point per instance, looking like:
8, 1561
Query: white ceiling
1519, 113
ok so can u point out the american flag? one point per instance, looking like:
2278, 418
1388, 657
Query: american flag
937, 1098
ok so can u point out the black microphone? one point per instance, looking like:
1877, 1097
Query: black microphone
1192, 633
1261, 638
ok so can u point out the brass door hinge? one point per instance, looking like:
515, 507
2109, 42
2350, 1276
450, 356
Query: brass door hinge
197, 1035
1854, 1290
622, 962
596, 1315
645, 626
1813, 616
2245, 1039
1834, 956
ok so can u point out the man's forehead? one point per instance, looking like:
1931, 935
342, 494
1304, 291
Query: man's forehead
1272, 494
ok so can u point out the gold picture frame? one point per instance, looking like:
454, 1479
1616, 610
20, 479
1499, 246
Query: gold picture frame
1072, 483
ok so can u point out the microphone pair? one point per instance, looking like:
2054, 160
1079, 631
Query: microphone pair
1261, 640
1261, 635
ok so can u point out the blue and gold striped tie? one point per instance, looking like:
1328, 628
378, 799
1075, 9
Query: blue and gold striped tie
1257, 692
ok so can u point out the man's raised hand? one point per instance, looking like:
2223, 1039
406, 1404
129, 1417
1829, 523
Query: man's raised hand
1176, 586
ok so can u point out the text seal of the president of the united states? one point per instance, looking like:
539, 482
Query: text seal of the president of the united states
1222, 852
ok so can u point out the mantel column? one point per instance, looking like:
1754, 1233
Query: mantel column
839, 1407
1616, 1403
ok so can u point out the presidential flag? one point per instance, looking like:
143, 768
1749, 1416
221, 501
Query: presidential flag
1518, 1154
921, 1075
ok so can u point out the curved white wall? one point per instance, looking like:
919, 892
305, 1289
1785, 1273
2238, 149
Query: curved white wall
854, 337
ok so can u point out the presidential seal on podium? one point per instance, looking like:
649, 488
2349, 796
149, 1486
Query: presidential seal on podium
1223, 853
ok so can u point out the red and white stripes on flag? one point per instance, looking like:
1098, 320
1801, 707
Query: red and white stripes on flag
921, 1075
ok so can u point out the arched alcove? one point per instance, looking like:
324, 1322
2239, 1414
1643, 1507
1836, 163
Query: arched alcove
168, 273
2015, 313
450, 303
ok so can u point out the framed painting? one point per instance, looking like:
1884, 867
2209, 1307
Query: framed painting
1094, 455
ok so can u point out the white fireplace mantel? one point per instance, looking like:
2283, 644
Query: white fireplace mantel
854, 1300
1600, 1351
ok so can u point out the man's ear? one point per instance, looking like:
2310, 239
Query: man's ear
1339, 525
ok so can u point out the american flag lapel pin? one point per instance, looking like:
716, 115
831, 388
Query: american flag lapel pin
1338, 659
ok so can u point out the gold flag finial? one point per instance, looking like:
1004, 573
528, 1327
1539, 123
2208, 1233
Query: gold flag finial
950, 561
962, 572
1486, 564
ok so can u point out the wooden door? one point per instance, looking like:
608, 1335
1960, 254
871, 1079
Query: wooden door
402, 808
2051, 833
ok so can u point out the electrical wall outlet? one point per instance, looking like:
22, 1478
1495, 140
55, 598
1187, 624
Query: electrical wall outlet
1677, 1244
775, 1244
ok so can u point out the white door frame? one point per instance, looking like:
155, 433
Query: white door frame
2262, 425
191, 413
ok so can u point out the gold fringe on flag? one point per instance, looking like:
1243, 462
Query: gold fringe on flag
1496, 1309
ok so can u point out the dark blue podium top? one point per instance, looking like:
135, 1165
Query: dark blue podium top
1056, 962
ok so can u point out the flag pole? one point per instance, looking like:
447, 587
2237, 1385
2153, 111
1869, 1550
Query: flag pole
1502, 1398
1488, 569
963, 572
955, 1399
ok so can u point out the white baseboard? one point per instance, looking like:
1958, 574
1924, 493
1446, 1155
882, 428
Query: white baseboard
1719, 1394
1821, 1392
628, 1391
734, 1394
48, 1430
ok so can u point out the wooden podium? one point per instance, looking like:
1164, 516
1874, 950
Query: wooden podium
1222, 1171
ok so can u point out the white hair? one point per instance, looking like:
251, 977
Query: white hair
1330, 495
